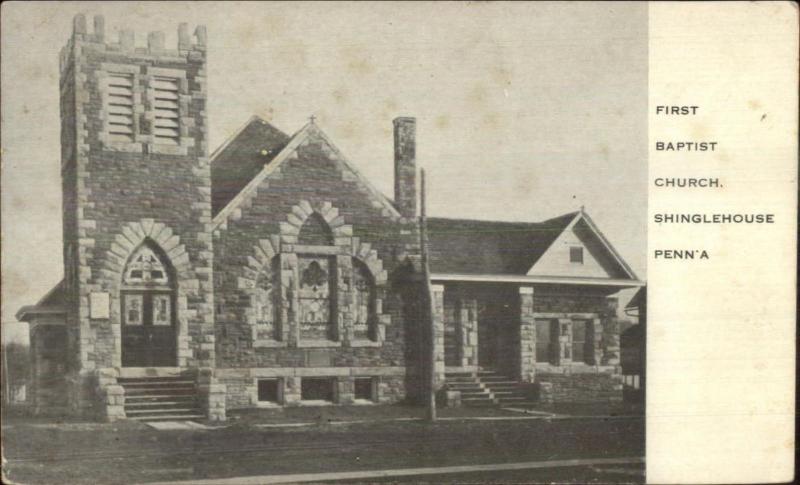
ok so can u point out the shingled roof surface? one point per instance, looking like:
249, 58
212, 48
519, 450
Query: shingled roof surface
52, 302
464, 246
242, 159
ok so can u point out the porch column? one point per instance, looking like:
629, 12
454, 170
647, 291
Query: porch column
527, 335
610, 341
438, 335
467, 315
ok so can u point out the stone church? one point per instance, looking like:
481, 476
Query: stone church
269, 272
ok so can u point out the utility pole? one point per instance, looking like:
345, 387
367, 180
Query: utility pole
430, 302
6, 375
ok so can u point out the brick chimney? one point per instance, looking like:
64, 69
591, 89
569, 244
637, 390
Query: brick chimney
405, 166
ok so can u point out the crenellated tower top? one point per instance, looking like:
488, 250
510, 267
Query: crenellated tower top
187, 44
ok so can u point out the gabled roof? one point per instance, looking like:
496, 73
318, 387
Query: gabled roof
473, 250
310, 130
464, 246
639, 299
616, 266
51, 303
241, 158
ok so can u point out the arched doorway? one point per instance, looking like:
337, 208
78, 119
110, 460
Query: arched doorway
147, 299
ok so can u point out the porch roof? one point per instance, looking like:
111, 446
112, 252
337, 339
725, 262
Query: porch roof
465, 246
51, 303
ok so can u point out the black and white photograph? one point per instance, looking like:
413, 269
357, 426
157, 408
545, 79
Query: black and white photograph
275, 242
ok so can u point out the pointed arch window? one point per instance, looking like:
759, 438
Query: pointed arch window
364, 308
315, 232
147, 298
264, 304
316, 291
145, 268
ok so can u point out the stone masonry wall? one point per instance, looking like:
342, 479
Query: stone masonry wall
312, 181
579, 388
597, 379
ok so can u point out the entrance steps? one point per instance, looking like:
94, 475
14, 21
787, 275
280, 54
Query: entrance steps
485, 388
161, 398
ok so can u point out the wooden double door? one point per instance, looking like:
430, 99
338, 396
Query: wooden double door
148, 329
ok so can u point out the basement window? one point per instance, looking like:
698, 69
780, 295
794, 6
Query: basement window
364, 389
316, 389
268, 390
576, 255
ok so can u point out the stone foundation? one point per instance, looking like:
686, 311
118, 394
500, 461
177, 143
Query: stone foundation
242, 384
579, 388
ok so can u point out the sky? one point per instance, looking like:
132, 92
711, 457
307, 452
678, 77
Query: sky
524, 111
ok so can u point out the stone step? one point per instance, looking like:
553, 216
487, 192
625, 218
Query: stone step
478, 402
504, 385
148, 383
156, 404
159, 412
464, 385
126, 380
512, 392
140, 391
169, 417
460, 379
495, 379
471, 394
160, 398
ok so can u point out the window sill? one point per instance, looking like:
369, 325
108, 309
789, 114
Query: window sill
572, 368
268, 404
167, 149
316, 402
364, 343
318, 343
131, 147
270, 344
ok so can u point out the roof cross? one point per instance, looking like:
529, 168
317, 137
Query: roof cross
312, 118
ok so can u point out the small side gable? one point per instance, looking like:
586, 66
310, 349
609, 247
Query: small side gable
581, 251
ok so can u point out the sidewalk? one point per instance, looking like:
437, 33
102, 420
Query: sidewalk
404, 472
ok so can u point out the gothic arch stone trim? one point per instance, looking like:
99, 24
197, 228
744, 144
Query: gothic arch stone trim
133, 234
303, 210
126, 242
363, 252
264, 253
263, 256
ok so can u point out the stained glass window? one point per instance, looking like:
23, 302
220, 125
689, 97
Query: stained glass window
315, 298
133, 309
161, 310
315, 232
263, 305
145, 267
364, 290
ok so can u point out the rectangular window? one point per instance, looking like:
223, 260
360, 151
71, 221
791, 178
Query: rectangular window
576, 255
166, 125
545, 338
363, 389
161, 310
316, 298
268, 390
120, 107
316, 389
133, 309
579, 341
